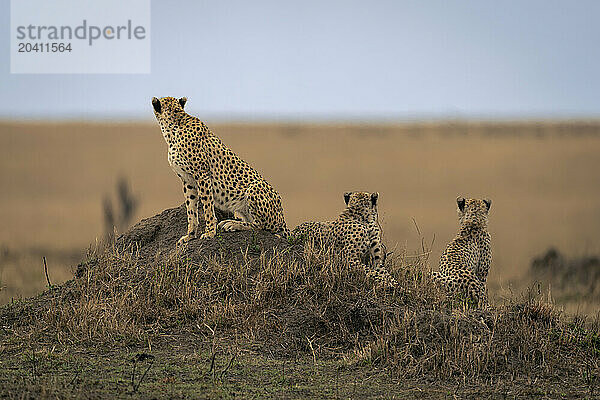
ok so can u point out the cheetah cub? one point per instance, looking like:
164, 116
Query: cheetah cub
355, 232
215, 176
465, 263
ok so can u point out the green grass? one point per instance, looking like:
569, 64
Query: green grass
184, 371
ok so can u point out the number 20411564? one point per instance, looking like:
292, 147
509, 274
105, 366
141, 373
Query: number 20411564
26, 47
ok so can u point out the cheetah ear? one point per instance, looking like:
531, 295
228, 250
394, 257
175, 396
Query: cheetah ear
182, 101
488, 203
461, 203
347, 197
374, 197
156, 104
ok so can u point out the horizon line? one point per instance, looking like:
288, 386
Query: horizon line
248, 118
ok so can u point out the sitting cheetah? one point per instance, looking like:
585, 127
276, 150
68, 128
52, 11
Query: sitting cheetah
214, 175
465, 263
356, 232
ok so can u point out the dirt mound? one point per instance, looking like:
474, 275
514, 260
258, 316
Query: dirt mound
157, 236
161, 232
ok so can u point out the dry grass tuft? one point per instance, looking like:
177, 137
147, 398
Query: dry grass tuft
302, 299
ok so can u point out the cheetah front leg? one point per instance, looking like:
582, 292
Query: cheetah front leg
208, 205
190, 191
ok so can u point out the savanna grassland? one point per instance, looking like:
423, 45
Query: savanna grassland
541, 176
248, 315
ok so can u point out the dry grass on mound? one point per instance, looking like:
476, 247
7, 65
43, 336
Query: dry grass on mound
301, 299
289, 299
253, 289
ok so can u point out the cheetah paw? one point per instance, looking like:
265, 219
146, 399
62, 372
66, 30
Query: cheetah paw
226, 226
185, 239
232, 225
207, 235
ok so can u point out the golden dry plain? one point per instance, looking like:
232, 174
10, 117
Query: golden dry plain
543, 179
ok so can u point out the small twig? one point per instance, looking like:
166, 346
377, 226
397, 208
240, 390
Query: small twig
212, 363
418, 255
213, 370
140, 357
209, 328
133, 375
416, 226
143, 376
46, 272
312, 349
75, 377
227, 367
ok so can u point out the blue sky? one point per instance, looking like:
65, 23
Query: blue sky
340, 60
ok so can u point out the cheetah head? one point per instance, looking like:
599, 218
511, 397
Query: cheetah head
473, 212
165, 107
362, 202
